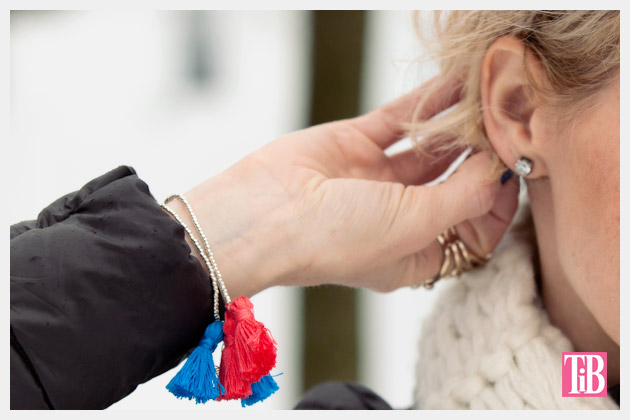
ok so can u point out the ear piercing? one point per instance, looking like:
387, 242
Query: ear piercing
523, 166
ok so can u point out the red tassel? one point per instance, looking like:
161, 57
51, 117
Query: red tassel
249, 352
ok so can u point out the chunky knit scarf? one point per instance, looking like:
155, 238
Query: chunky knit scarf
488, 343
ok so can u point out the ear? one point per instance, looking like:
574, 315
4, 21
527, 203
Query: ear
511, 116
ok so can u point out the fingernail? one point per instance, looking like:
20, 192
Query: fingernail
505, 176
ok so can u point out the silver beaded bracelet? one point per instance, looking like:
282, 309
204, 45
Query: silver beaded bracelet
208, 256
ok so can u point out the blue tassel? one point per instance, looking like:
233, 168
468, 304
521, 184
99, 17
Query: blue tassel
198, 377
260, 390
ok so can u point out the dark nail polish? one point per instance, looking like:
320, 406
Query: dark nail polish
505, 176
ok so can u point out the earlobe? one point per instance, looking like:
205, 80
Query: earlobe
508, 103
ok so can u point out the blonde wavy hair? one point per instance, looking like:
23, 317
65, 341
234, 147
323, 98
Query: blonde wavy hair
578, 51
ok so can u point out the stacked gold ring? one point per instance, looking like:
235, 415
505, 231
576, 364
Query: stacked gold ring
457, 258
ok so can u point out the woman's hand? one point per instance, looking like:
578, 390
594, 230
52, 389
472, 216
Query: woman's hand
326, 205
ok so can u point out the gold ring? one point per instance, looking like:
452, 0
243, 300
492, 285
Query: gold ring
457, 258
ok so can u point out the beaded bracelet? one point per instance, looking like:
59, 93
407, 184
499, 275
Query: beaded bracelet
213, 279
249, 351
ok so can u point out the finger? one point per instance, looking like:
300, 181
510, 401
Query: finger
414, 168
422, 265
424, 212
383, 125
480, 235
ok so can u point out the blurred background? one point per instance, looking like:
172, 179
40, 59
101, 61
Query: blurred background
180, 96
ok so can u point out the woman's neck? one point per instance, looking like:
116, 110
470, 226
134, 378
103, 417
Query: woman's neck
564, 307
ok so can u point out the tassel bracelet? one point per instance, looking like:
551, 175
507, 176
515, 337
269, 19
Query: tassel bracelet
249, 350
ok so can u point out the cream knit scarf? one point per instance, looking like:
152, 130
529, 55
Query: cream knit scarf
488, 343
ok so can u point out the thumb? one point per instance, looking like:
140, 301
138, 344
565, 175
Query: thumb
428, 211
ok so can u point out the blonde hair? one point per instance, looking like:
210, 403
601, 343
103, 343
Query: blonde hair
578, 51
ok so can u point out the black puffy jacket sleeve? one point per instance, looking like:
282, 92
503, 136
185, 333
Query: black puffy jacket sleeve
105, 295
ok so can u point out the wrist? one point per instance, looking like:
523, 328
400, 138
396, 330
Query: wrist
248, 247
178, 208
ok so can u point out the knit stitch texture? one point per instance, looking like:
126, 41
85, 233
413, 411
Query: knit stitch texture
488, 344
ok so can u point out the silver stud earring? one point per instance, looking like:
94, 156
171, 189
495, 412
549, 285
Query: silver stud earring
523, 166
